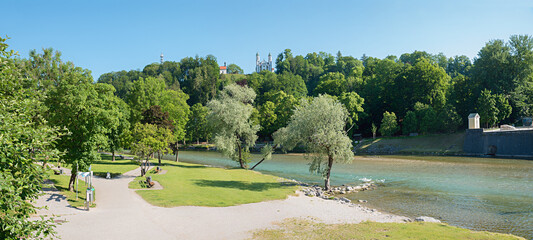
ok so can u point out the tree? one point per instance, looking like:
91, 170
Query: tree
267, 118
234, 69
331, 83
318, 125
423, 82
118, 133
147, 140
175, 103
230, 118
75, 103
197, 127
486, 106
275, 113
144, 93
410, 123
25, 138
155, 116
122, 81
388, 124
354, 105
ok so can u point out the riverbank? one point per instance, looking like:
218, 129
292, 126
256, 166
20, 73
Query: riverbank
483, 194
122, 214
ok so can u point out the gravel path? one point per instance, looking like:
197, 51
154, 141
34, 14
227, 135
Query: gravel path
122, 214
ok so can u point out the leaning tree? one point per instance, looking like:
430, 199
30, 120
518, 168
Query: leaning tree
318, 125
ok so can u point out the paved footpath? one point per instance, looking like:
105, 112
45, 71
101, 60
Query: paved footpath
123, 214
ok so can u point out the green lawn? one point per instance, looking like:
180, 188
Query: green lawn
61, 184
101, 167
196, 185
304, 229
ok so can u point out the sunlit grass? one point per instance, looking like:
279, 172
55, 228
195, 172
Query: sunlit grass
187, 184
305, 229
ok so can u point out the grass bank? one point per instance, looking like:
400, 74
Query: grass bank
186, 184
61, 184
99, 168
305, 229
446, 144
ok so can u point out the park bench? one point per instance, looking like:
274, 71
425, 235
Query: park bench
149, 182
59, 171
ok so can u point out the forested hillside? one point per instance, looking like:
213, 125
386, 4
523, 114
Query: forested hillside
428, 93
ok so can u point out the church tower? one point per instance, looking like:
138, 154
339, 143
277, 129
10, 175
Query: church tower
257, 63
270, 66
263, 65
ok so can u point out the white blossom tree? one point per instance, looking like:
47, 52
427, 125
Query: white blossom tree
318, 125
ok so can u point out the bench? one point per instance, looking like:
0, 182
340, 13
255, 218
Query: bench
149, 182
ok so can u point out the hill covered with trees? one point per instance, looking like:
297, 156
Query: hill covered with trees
426, 93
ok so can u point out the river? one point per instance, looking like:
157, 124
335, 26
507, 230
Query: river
476, 193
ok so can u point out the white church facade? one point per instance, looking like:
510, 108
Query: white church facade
263, 65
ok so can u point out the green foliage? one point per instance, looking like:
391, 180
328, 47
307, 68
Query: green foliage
75, 103
25, 137
389, 126
122, 81
155, 116
197, 127
201, 78
235, 69
422, 82
230, 117
149, 139
492, 108
275, 113
410, 123
318, 125
144, 93
268, 82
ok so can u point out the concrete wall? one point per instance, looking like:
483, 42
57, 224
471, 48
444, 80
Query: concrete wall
499, 143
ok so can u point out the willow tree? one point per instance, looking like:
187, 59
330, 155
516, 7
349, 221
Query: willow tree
230, 116
318, 126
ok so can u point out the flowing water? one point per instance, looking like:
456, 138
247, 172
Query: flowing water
476, 193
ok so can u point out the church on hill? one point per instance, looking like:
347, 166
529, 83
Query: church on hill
263, 65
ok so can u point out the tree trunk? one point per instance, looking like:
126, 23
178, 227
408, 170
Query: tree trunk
71, 182
159, 158
330, 164
113, 154
177, 152
273, 147
197, 141
241, 162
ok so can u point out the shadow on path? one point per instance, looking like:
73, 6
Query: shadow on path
56, 197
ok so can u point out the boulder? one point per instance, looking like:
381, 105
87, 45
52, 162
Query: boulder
346, 200
427, 219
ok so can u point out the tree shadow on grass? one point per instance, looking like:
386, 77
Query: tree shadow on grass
250, 186
110, 163
188, 166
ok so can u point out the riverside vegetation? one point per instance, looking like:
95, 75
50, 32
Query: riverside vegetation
53, 110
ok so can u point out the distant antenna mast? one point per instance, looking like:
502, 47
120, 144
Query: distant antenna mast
162, 58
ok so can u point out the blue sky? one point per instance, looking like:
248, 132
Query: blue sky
105, 36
